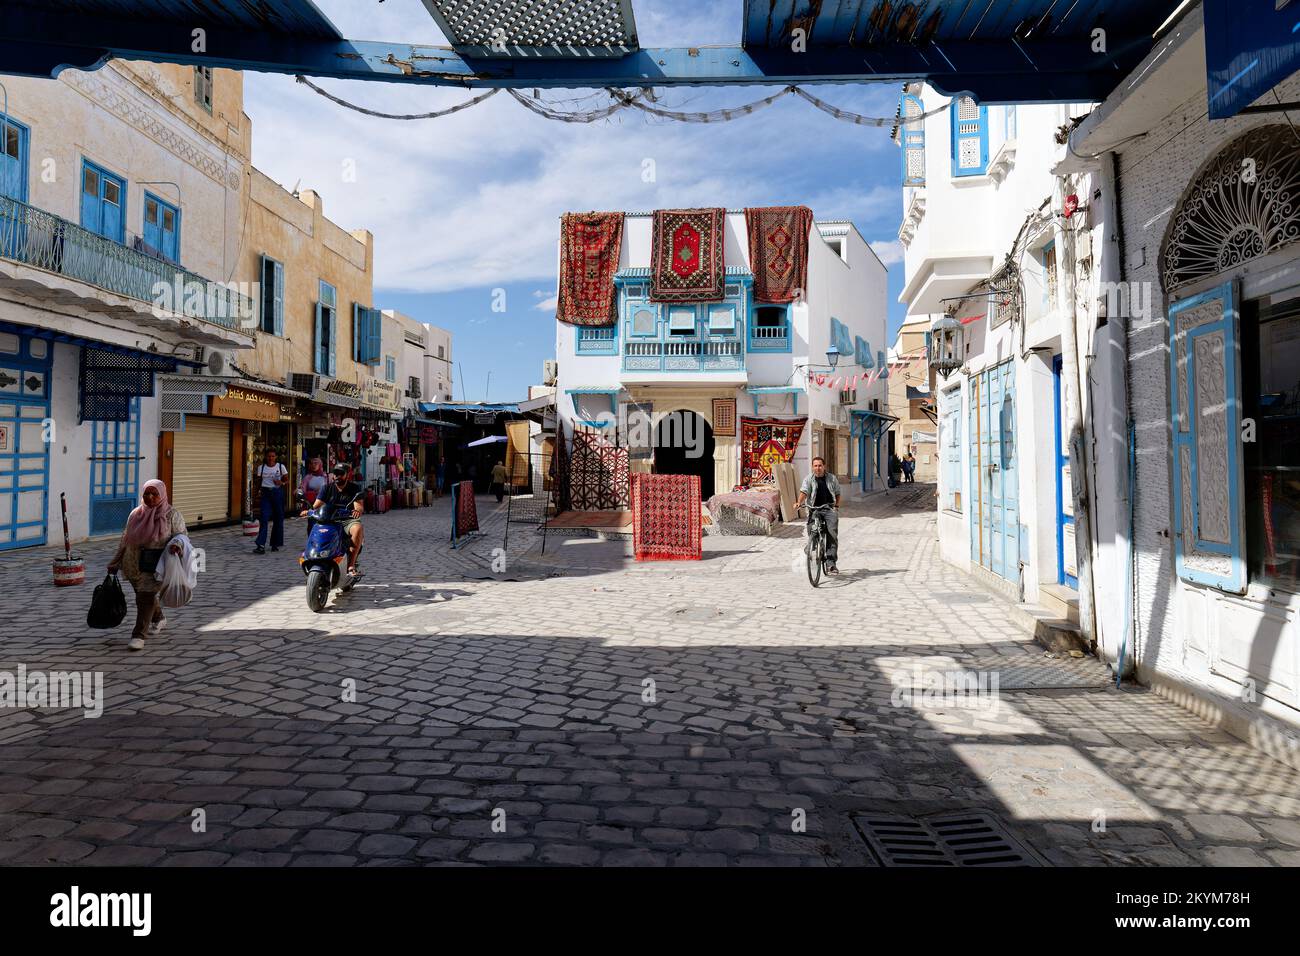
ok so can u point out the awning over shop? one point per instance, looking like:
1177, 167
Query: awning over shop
436, 421
482, 408
756, 390
869, 423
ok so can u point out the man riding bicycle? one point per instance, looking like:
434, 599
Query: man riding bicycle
823, 488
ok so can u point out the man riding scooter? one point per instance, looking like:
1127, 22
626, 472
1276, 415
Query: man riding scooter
338, 492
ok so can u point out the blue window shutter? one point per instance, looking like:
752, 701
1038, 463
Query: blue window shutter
376, 335
884, 365
279, 299
359, 320
319, 365
913, 141
1205, 413
334, 338
970, 136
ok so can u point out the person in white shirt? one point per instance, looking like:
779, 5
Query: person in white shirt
271, 476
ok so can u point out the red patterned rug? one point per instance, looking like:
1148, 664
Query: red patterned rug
598, 474
778, 251
589, 249
688, 263
764, 441
466, 509
666, 517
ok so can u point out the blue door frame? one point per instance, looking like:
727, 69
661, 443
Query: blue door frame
1064, 493
995, 508
24, 454
114, 472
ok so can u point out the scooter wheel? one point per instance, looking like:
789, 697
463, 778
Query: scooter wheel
318, 589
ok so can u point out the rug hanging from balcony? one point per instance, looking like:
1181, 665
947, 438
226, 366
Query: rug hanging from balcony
778, 251
763, 442
687, 255
598, 475
666, 520
589, 250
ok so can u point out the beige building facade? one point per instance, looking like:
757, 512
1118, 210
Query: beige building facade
910, 396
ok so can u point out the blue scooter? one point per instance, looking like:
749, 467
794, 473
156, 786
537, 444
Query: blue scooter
324, 559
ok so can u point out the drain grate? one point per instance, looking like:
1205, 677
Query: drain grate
952, 839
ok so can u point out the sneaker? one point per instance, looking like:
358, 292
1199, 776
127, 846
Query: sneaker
136, 644
259, 550
832, 569
274, 548
156, 627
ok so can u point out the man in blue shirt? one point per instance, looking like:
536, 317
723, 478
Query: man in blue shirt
823, 488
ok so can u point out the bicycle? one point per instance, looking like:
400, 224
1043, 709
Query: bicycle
815, 551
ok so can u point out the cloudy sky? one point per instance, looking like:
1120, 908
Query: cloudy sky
469, 204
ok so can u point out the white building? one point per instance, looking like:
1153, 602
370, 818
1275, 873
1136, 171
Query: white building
114, 184
981, 242
737, 359
1197, 377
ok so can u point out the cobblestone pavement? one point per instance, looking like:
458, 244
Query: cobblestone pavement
574, 707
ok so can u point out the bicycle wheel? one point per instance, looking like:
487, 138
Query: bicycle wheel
814, 558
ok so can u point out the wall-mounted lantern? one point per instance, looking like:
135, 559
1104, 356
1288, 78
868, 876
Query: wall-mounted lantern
947, 340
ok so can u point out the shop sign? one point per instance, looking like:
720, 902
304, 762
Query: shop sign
484, 418
428, 435
243, 404
346, 389
385, 395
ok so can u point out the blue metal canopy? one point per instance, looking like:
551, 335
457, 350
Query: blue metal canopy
996, 50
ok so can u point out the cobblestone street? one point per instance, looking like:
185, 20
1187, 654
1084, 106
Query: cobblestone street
579, 708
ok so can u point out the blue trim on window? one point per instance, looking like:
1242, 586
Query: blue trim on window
761, 339
1062, 519
596, 340
167, 244
976, 128
911, 140
276, 290
16, 459
13, 180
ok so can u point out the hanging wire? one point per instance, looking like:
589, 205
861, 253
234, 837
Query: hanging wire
398, 116
635, 100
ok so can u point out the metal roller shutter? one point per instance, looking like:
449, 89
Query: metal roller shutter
201, 470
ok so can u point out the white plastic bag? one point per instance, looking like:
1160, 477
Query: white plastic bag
176, 573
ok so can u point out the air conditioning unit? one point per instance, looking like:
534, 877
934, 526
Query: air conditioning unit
839, 414
218, 362
550, 371
302, 382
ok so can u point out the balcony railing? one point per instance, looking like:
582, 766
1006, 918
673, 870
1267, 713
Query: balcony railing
684, 354
45, 241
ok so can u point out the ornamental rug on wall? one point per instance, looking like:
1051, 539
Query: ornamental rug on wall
666, 523
464, 510
778, 251
589, 249
687, 259
598, 474
764, 441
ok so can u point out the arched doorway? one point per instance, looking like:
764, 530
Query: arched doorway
684, 446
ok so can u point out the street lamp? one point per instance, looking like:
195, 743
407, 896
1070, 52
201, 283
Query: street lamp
833, 356
946, 337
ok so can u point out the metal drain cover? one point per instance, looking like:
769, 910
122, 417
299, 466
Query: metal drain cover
950, 839
1054, 674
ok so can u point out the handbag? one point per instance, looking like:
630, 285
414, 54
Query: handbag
107, 605
149, 558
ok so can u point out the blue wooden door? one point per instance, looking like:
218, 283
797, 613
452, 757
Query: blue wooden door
24, 458
161, 228
1066, 560
114, 471
995, 510
103, 200
14, 141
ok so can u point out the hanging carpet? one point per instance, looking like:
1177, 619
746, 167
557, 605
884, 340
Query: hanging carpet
778, 251
666, 523
598, 475
465, 511
763, 442
687, 262
589, 250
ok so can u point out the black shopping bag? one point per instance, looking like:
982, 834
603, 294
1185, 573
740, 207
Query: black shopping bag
107, 605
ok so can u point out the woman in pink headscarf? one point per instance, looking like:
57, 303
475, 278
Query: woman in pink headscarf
148, 529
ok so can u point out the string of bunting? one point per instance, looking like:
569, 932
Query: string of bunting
866, 379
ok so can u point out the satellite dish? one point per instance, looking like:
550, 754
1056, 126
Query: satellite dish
216, 362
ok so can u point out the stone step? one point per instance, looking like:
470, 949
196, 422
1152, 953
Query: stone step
1061, 600
1055, 633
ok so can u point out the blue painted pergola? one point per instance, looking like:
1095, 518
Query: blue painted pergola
995, 50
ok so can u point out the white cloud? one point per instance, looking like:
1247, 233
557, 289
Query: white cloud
548, 304
889, 250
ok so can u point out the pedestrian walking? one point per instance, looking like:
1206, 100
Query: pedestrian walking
272, 476
909, 468
440, 476
149, 531
499, 476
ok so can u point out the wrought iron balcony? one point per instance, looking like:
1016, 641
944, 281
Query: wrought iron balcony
45, 241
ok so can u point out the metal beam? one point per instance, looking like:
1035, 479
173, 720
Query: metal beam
993, 70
